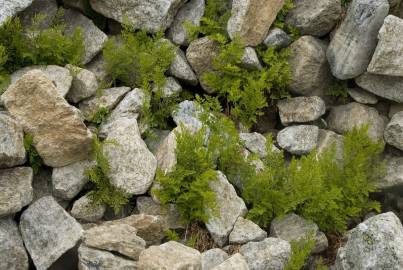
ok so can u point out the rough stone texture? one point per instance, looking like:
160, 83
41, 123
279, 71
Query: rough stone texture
181, 69
171, 88
12, 151
59, 135
316, 18
394, 173
388, 55
394, 131
251, 19
94, 259
374, 244
16, 189
148, 15
301, 109
48, 7
246, 231
187, 114
236, 261
212, 258
97, 66
12, 252
354, 42
362, 96
277, 38
166, 153
388, 87
327, 139
293, 228
254, 142
84, 210
85, 84
344, 118
154, 143
11, 8
190, 12
310, 71
230, 207
298, 140
171, 255
48, 231
250, 60
271, 253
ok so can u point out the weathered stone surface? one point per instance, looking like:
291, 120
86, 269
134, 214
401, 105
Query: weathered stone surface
230, 207
354, 42
11, 8
85, 84
171, 255
94, 259
171, 88
327, 139
97, 66
388, 55
48, 231
191, 12
293, 228
246, 231
154, 142
310, 71
212, 258
250, 60
394, 173
188, 114
84, 210
362, 96
166, 152
388, 87
181, 69
298, 140
395, 108
12, 151
16, 189
344, 118
236, 261
271, 253
374, 244
59, 135
301, 109
47, 7
277, 38
12, 252
394, 131
316, 18
254, 142
148, 15
251, 19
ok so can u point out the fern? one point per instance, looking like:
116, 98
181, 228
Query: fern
172, 235
300, 251
338, 89
99, 116
34, 159
281, 17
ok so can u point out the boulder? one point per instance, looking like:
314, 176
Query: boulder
236, 261
301, 109
181, 69
166, 152
85, 84
97, 66
154, 142
362, 96
327, 139
213, 257
47, 7
254, 142
86, 211
394, 174
12, 151
388, 87
298, 140
11, 8
250, 60
188, 114
171, 88
394, 131
246, 231
277, 38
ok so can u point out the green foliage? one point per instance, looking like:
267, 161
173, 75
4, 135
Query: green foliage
34, 159
104, 192
338, 89
100, 116
300, 251
172, 235
280, 20
345, 3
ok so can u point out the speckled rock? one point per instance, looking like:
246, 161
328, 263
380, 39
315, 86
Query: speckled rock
327, 139
171, 88
301, 109
212, 258
48, 7
388, 87
12, 151
236, 261
394, 173
181, 69
250, 60
298, 140
84, 210
362, 96
254, 142
277, 38
246, 231
85, 84
11, 8
394, 131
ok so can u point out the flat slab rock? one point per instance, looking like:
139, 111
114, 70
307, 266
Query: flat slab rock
301, 109
388, 87
246, 231
12, 151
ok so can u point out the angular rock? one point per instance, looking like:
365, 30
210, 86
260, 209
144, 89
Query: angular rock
310, 71
298, 140
12, 151
251, 19
374, 244
327, 139
246, 231
388, 87
362, 96
97, 66
12, 252
148, 15
85, 84
171, 255
271, 253
16, 189
181, 69
394, 173
154, 142
394, 131
250, 60
254, 142
188, 114
47, 7
171, 88
48, 231
301, 109
84, 210
59, 135
388, 55
354, 42
236, 261
166, 153
277, 38
11, 8
212, 258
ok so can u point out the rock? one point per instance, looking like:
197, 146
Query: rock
251, 19
394, 173
293, 228
354, 42
171, 255
188, 114
181, 69
47, 7
250, 60
212, 258
310, 71
48, 231
166, 153
148, 15
200, 54
327, 139
59, 135
301, 109
85, 210
277, 38
298, 140
11, 8
81, 5
246, 231
97, 66
132, 165
16, 189
254, 142
154, 142
395, 108
12, 151
109, 99
191, 12
120, 238
170, 89
362, 96
271, 253
12, 252
394, 131
94, 259
374, 244
388, 55
236, 261
314, 18
388, 87
229, 206
94, 38
85, 84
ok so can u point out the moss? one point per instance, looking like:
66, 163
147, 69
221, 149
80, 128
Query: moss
34, 159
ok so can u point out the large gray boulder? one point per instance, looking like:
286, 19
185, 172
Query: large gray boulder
374, 244
394, 131
354, 42
246, 231
301, 109
394, 173
12, 151
212, 258
48, 231
388, 87
298, 140
181, 69
236, 261
11, 8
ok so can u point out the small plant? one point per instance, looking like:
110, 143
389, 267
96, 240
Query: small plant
172, 235
281, 17
34, 159
300, 251
99, 116
338, 89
